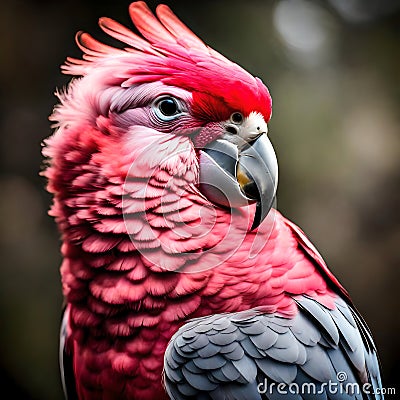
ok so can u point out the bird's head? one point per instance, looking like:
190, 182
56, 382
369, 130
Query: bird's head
166, 105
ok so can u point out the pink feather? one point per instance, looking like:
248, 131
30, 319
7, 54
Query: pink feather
131, 215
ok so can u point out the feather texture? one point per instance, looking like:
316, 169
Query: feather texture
174, 55
144, 251
265, 356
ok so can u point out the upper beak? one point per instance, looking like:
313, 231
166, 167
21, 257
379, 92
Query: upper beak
236, 176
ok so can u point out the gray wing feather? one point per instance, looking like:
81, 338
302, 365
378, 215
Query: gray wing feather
65, 360
246, 355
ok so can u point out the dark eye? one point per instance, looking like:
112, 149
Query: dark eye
167, 108
237, 118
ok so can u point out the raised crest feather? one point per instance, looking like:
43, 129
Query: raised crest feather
148, 25
171, 53
123, 34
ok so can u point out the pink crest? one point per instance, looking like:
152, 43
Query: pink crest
171, 53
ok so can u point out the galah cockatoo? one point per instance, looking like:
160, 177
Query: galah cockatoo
181, 281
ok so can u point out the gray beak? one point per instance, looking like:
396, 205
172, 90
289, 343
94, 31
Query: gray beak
236, 178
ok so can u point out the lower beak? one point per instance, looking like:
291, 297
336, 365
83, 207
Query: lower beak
235, 178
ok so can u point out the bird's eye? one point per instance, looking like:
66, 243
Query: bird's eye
167, 108
237, 118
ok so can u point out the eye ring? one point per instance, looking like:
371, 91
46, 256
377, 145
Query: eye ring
167, 108
236, 118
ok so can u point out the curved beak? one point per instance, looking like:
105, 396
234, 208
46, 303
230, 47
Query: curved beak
236, 176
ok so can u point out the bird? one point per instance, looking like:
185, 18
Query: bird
180, 277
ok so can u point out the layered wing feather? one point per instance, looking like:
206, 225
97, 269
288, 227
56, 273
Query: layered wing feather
246, 355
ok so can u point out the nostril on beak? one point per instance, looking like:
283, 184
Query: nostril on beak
231, 129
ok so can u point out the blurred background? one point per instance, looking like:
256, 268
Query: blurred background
333, 70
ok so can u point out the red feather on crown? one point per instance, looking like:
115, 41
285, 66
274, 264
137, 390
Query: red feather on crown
171, 53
